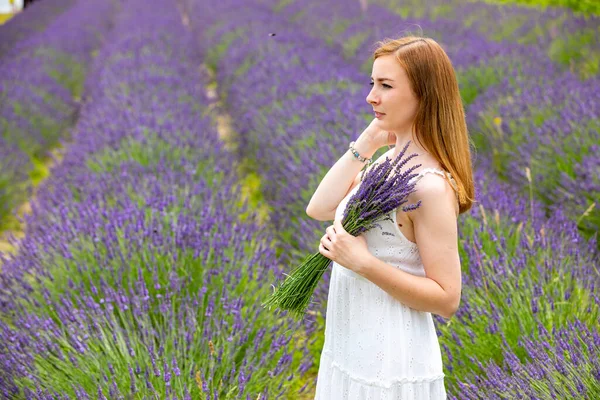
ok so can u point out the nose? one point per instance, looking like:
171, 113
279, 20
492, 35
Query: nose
372, 98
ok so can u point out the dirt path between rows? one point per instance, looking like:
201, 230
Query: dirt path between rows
7, 249
225, 128
224, 124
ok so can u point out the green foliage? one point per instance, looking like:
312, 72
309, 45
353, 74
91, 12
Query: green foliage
51, 130
556, 376
65, 69
40, 170
512, 294
244, 67
418, 9
281, 5
11, 195
583, 6
121, 328
353, 43
215, 53
475, 80
118, 259
250, 184
575, 51
578, 51
548, 168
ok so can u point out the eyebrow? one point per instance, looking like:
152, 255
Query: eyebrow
384, 79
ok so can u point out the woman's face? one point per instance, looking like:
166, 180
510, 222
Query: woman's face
391, 95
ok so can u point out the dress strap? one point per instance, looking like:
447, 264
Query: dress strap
440, 172
435, 171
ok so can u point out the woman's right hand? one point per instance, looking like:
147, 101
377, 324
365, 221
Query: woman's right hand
373, 138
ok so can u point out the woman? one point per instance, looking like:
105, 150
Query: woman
380, 341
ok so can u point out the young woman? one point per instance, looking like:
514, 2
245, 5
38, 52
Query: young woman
380, 340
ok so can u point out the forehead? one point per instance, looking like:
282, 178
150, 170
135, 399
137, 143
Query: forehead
388, 67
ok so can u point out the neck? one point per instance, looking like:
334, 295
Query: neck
402, 138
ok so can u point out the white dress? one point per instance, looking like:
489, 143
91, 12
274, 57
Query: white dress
377, 348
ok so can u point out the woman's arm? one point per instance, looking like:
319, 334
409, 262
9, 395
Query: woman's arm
344, 174
337, 183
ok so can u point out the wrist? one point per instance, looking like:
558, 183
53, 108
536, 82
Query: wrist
365, 264
365, 147
357, 156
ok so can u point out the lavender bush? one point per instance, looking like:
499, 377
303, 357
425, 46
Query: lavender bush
564, 364
40, 88
30, 21
136, 276
15, 169
551, 129
521, 271
567, 37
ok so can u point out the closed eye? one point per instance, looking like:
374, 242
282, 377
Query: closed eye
384, 85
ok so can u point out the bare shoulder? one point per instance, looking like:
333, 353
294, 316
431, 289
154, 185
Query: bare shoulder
436, 196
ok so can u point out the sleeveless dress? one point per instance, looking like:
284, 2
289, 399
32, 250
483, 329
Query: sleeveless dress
377, 348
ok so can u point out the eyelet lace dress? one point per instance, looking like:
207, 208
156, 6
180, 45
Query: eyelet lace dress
377, 348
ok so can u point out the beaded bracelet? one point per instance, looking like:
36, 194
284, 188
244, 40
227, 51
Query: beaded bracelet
358, 156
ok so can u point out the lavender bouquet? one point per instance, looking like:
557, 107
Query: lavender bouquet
383, 189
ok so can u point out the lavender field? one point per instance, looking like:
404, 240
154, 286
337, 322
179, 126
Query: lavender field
194, 134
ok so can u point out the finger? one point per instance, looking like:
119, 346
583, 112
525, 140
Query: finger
338, 226
330, 235
324, 251
325, 242
330, 230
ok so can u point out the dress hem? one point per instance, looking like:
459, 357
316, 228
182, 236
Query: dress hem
378, 383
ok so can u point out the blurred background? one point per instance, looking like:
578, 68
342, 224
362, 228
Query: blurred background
156, 161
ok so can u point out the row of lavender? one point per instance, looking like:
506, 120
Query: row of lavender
529, 280
137, 276
568, 38
40, 88
526, 111
26, 23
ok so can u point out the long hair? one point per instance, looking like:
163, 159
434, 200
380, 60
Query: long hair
440, 126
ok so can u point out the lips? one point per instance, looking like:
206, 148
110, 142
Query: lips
378, 114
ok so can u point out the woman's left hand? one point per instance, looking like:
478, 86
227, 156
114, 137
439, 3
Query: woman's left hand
343, 248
